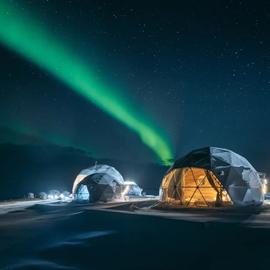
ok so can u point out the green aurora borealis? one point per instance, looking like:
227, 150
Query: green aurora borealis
28, 37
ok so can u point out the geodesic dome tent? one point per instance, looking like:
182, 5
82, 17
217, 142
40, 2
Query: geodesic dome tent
131, 189
212, 176
98, 183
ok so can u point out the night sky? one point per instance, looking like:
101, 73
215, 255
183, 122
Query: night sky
183, 75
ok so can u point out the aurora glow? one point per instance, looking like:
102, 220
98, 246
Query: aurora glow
28, 130
28, 37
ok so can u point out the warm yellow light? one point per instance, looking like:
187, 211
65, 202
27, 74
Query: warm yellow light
194, 187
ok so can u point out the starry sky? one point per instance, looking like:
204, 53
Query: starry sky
194, 74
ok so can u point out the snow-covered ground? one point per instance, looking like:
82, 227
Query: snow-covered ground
19, 205
130, 235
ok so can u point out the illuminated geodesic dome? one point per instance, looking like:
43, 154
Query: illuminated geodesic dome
98, 183
212, 176
131, 189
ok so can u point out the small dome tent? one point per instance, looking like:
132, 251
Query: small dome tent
131, 189
98, 183
212, 176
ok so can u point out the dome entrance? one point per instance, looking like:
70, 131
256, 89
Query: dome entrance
194, 187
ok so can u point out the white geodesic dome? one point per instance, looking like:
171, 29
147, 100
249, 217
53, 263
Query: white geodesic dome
102, 181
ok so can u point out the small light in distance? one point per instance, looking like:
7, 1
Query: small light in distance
264, 185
